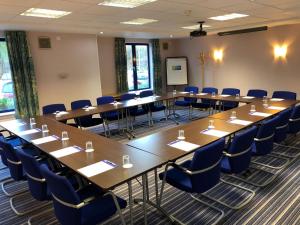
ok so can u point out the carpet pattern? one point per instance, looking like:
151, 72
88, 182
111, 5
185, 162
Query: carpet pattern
277, 203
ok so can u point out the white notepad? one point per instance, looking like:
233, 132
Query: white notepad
61, 113
260, 114
248, 97
183, 145
14, 123
184, 92
44, 140
240, 122
276, 108
224, 95
97, 168
216, 133
65, 151
276, 99
202, 94
117, 103
31, 131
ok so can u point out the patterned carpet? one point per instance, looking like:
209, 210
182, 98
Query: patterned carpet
277, 203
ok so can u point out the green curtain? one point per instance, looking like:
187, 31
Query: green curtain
157, 78
121, 65
26, 98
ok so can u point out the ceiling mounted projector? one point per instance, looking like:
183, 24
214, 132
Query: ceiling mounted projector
200, 32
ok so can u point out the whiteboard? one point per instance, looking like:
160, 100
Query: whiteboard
176, 71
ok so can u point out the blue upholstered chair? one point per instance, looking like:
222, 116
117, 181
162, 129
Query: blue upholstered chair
257, 93
85, 121
87, 206
263, 146
206, 103
135, 110
226, 105
294, 121
285, 95
36, 182
187, 101
153, 107
197, 175
109, 116
282, 127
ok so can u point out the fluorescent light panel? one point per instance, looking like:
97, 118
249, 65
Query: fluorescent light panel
139, 21
126, 3
45, 13
193, 27
228, 16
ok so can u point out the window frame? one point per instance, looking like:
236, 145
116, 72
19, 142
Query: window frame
7, 111
135, 80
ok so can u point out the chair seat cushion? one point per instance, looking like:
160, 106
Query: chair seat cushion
157, 108
138, 112
201, 105
225, 165
179, 179
14, 141
182, 103
114, 115
93, 122
100, 209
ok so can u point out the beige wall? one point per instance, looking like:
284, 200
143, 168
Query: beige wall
248, 60
69, 70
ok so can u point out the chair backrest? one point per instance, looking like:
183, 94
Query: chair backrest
285, 95
36, 182
240, 150
282, 126
147, 93
62, 189
79, 104
209, 90
13, 162
264, 139
208, 160
127, 96
258, 93
105, 100
52, 108
194, 89
3, 157
294, 124
230, 91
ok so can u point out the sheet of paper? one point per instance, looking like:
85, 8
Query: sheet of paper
14, 123
260, 114
216, 133
61, 113
31, 131
45, 140
66, 151
97, 168
276, 99
117, 103
248, 97
202, 94
240, 122
224, 95
276, 108
184, 92
183, 145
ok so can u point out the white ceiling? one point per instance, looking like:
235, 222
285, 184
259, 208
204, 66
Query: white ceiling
88, 17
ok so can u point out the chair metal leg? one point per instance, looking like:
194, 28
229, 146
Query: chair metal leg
118, 207
239, 206
39, 214
286, 155
11, 201
287, 161
8, 181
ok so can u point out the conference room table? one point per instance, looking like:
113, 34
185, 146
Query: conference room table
105, 150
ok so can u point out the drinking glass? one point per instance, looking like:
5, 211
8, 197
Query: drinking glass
213, 94
89, 146
211, 124
64, 136
233, 115
237, 95
32, 121
126, 161
45, 129
181, 134
191, 93
252, 108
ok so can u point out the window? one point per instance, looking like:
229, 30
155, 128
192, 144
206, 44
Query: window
138, 70
6, 84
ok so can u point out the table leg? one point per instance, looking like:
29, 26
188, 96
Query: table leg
130, 201
144, 181
156, 186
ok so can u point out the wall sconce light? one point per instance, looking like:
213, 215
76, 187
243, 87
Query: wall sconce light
280, 51
218, 55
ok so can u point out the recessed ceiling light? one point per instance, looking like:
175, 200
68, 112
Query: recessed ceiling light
126, 3
193, 27
139, 21
228, 16
101, 32
46, 13
171, 36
